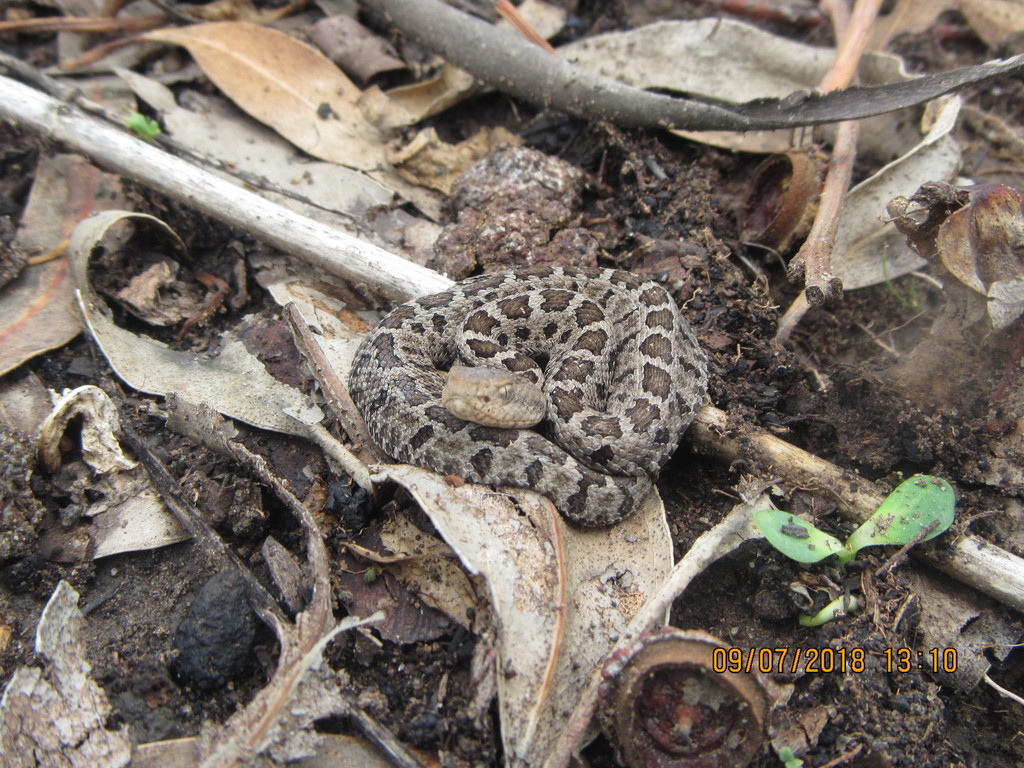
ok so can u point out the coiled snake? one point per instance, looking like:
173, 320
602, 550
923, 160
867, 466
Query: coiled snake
620, 371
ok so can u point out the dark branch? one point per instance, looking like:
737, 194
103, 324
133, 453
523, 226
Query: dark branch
511, 64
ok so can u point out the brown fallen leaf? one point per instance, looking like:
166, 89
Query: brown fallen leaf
981, 243
37, 310
227, 381
561, 595
158, 296
285, 84
408, 104
976, 234
909, 16
240, 10
431, 162
974, 239
37, 314
335, 751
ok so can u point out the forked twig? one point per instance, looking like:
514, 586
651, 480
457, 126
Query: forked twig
821, 286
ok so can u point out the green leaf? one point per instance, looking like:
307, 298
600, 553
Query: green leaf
796, 538
142, 126
841, 606
789, 760
917, 503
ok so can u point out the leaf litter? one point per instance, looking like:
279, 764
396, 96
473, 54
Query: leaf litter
547, 685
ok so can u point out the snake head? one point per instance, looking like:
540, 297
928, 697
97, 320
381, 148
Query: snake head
493, 398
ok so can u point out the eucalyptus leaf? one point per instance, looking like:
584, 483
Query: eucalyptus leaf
796, 538
916, 504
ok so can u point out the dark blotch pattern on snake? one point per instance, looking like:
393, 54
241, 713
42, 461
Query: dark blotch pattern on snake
621, 369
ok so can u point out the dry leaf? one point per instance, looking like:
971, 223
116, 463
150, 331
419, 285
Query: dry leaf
730, 61
868, 251
428, 568
408, 104
323, 191
99, 423
335, 751
158, 297
1005, 302
909, 16
373, 581
37, 314
126, 512
24, 402
430, 162
37, 310
561, 596
954, 616
993, 20
285, 84
977, 235
233, 382
982, 244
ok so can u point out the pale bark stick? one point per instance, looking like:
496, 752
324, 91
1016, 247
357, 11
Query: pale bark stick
332, 250
970, 559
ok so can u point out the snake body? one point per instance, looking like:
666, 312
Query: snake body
622, 372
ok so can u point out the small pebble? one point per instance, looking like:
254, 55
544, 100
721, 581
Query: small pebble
214, 640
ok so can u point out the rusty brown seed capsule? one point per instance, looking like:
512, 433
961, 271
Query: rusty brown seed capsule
782, 199
664, 705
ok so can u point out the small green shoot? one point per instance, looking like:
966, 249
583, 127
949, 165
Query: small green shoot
919, 509
142, 126
837, 609
912, 303
789, 760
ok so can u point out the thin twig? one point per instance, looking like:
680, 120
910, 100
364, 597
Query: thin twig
901, 554
821, 286
84, 24
193, 521
815, 255
1002, 691
318, 244
512, 15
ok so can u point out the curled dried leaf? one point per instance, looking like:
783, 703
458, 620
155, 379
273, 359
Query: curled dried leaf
976, 234
783, 199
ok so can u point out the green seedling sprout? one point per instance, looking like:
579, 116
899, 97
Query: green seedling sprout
918, 510
837, 609
789, 760
142, 126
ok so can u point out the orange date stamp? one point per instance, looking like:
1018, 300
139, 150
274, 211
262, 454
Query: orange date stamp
786, 660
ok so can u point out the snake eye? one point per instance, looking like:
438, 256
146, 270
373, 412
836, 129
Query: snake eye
505, 391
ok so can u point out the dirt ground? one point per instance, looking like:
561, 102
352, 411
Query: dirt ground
847, 387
